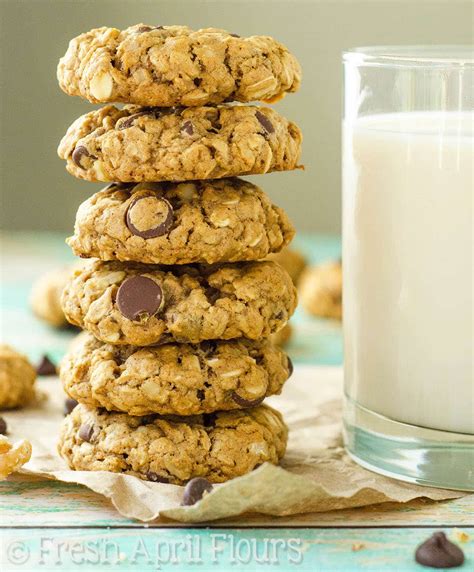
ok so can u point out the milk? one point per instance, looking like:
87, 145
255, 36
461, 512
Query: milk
408, 267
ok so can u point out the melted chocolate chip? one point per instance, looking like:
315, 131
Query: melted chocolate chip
162, 208
78, 154
46, 367
195, 490
291, 367
139, 298
265, 122
69, 405
200, 394
245, 402
126, 123
143, 29
85, 432
439, 552
187, 128
156, 478
3, 426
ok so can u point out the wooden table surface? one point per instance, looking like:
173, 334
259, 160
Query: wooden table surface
51, 525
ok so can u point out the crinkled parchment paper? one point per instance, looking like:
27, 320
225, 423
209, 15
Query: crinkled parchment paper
316, 474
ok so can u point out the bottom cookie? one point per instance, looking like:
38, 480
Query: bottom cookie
168, 449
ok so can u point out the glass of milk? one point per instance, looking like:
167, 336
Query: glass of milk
408, 235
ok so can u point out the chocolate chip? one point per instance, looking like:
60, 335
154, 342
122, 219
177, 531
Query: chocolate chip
197, 81
265, 122
78, 154
156, 478
3, 426
200, 393
85, 432
439, 552
69, 405
130, 120
235, 35
245, 402
291, 367
195, 490
187, 128
139, 298
161, 213
46, 366
142, 29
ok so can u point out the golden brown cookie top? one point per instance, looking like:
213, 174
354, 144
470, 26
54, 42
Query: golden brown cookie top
174, 65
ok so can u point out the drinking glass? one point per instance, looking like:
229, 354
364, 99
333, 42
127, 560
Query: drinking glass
408, 154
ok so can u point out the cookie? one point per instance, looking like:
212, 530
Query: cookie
45, 298
174, 379
321, 290
292, 261
137, 144
226, 220
174, 65
13, 456
282, 337
17, 378
217, 446
141, 305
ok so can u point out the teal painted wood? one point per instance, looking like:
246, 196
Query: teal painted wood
38, 502
187, 550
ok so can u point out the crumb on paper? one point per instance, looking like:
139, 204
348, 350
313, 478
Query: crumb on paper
12, 457
357, 546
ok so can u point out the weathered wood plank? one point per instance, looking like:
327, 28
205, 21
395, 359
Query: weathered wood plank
33, 501
306, 550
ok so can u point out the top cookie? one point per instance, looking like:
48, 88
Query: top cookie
174, 65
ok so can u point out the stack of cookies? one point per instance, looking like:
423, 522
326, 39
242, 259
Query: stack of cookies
176, 300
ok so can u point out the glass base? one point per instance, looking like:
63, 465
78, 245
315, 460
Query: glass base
415, 454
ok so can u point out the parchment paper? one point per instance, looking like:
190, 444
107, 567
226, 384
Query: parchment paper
316, 474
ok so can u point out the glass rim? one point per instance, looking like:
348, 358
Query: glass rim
411, 56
